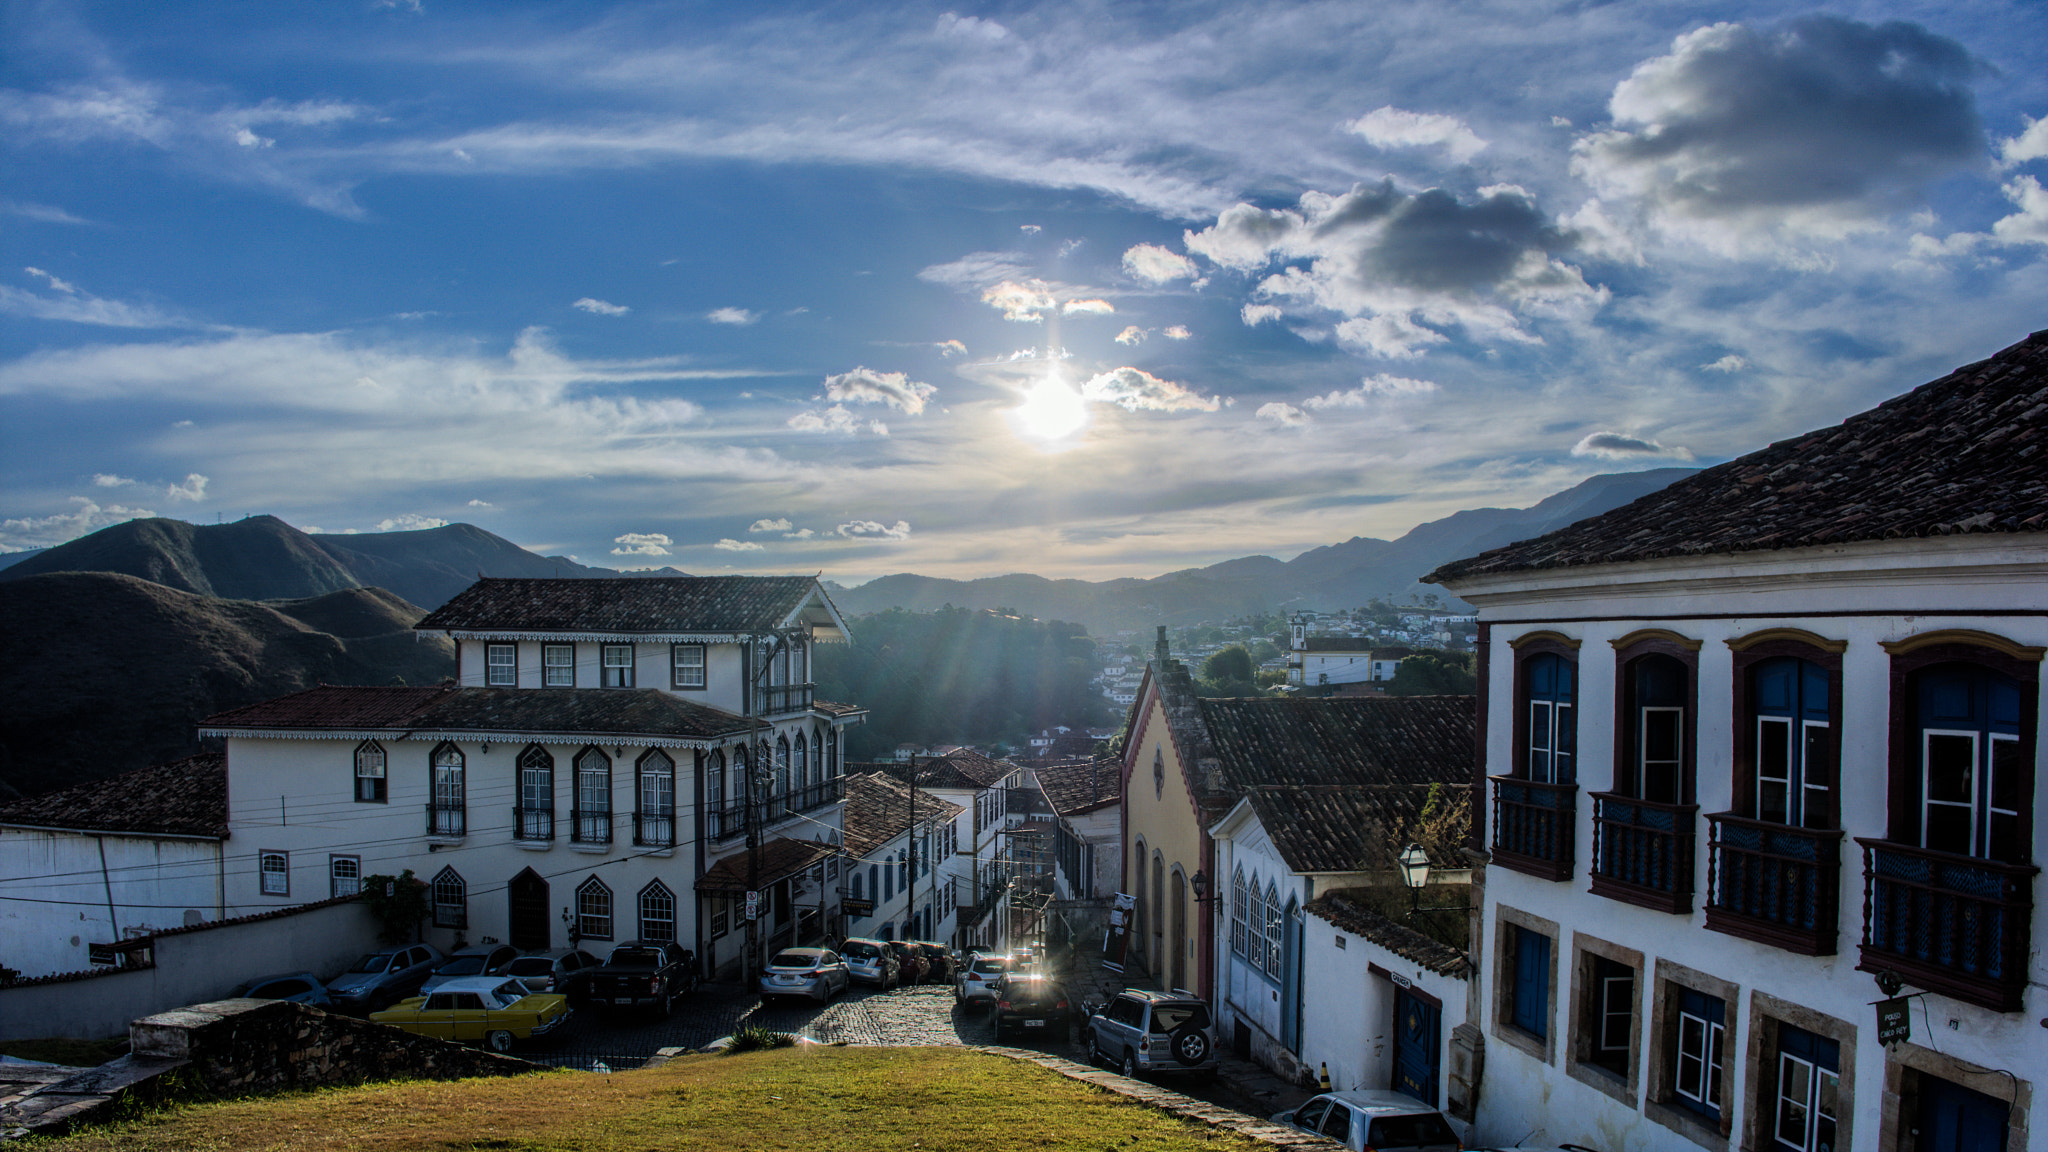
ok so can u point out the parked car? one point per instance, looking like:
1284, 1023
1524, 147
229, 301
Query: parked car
563, 970
1140, 1031
297, 987
871, 962
1376, 1119
488, 1010
818, 973
979, 979
1033, 1003
941, 960
383, 978
655, 972
910, 962
476, 960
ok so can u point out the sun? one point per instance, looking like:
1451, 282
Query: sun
1051, 409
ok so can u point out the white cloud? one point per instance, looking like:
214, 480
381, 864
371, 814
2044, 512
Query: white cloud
874, 530
55, 284
481, 504
972, 28
642, 544
835, 419
1176, 332
1024, 301
735, 316
410, 522
248, 139
1391, 127
194, 488
2031, 144
1090, 307
600, 308
106, 480
1728, 363
776, 525
867, 386
1134, 389
1131, 335
26, 532
978, 270
73, 305
41, 213
799, 534
1029, 229
1619, 446
1382, 385
1257, 314
951, 348
2030, 224
1283, 413
1154, 264
730, 545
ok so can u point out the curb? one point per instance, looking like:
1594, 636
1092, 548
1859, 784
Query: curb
1168, 1101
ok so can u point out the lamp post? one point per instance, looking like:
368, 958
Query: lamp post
1414, 864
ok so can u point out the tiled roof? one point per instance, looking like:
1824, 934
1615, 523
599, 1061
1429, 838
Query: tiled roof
1070, 745
187, 797
830, 708
657, 604
1336, 644
1344, 907
1342, 740
877, 811
1334, 827
1961, 454
781, 858
1078, 786
962, 768
586, 711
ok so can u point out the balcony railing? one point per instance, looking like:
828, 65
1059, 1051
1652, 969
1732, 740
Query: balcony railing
1956, 925
655, 829
444, 819
533, 823
1774, 884
1534, 825
1642, 851
779, 698
725, 821
591, 827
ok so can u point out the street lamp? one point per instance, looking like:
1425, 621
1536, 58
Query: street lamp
1414, 864
1200, 883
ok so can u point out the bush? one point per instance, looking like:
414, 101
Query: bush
759, 1039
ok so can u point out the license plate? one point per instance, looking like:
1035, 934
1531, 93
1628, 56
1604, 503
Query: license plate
1034, 1023
790, 979
623, 1000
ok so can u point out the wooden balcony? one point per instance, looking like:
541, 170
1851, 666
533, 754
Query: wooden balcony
777, 699
1642, 851
1534, 827
1956, 925
1774, 884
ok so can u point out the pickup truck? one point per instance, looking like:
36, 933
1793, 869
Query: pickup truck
642, 972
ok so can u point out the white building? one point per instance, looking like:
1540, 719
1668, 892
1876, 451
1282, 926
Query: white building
983, 864
593, 774
1760, 749
905, 870
1313, 660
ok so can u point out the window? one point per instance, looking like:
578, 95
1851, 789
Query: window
889, 879
370, 766
451, 899
1276, 932
856, 893
536, 794
1808, 1101
1238, 945
1550, 753
1657, 689
501, 665
714, 781
617, 665
1696, 1080
656, 821
593, 910
274, 870
558, 663
344, 875
448, 813
1611, 1019
1690, 1063
1973, 768
657, 912
1793, 753
686, 665
1529, 1000
719, 916
593, 797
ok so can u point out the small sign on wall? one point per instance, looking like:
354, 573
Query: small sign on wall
1894, 1020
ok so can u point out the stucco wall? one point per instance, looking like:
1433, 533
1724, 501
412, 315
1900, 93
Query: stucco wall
1351, 1026
56, 890
1160, 813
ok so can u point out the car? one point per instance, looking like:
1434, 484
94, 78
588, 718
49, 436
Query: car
476, 960
297, 987
654, 972
1534, 1148
383, 978
871, 962
1034, 1004
910, 962
818, 973
563, 970
489, 1010
1143, 1032
979, 979
941, 960
1374, 1118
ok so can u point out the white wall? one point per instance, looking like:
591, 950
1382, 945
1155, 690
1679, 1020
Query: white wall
55, 888
1351, 1025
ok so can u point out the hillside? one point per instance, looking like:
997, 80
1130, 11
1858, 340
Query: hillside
106, 672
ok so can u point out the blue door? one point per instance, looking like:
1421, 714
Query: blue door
1290, 981
1416, 1052
1955, 1119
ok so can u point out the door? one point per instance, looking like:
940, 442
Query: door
1179, 967
1955, 1119
1416, 1050
1290, 980
529, 905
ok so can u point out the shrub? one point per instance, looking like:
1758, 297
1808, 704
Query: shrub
757, 1039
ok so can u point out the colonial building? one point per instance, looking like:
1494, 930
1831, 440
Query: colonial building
982, 866
1315, 660
1758, 751
904, 870
617, 759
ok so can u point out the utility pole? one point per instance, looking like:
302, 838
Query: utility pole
759, 780
910, 882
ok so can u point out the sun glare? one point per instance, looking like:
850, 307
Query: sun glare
1051, 409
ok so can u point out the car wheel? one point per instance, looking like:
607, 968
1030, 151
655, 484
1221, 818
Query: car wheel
1130, 1065
498, 1040
1190, 1046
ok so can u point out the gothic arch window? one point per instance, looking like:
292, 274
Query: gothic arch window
654, 814
370, 772
657, 912
536, 811
1237, 913
593, 797
451, 899
448, 814
594, 910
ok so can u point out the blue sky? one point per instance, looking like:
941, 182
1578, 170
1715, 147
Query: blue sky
1080, 289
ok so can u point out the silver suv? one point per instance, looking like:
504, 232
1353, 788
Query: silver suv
1140, 1032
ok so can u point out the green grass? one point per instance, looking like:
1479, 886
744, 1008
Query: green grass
841, 1099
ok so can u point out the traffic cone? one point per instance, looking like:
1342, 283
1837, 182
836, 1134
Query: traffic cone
1323, 1082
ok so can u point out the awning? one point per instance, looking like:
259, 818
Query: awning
781, 858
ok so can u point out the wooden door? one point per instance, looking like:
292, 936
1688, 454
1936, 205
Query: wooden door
528, 926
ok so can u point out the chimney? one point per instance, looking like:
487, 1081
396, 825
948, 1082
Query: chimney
1159, 650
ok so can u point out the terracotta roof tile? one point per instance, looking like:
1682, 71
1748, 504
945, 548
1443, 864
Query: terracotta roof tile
1343, 907
1080, 786
1335, 827
584, 711
1377, 740
877, 811
781, 858
962, 768
187, 797
658, 604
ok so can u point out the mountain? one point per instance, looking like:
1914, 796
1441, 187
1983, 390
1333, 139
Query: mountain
105, 672
1335, 576
264, 558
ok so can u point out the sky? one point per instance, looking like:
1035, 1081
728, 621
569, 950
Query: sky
1083, 289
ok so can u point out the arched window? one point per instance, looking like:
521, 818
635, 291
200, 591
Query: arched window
1972, 770
714, 793
536, 794
654, 821
1255, 925
594, 910
782, 773
1139, 911
1276, 931
448, 814
593, 797
1790, 740
1552, 734
801, 750
370, 766
1237, 910
451, 899
818, 758
657, 912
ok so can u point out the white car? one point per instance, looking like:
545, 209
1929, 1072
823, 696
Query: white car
1376, 1119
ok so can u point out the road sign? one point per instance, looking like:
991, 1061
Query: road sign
753, 905
857, 907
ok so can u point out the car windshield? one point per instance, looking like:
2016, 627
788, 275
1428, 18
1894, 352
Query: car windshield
1167, 1017
531, 966
1034, 991
794, 960
636, 957
861, 951
461, 966
987, 966
1406, 1131
374, 962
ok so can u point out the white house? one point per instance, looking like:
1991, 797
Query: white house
1759, 750
594, 774
906, 894
983, 861
1313, 660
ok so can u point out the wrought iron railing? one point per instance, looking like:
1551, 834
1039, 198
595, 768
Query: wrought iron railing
533, 823
1535, 826
780, 698
1951, 924
591, 827
725, 821
655, 829
1774, 883
1643, 851
445, 819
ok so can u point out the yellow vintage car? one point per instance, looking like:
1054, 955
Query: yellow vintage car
488, 1010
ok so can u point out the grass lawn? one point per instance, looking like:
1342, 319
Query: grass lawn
837, 1099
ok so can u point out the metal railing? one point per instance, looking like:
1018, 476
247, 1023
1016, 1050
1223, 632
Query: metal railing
1957, 925
533, 823
655, 829
1642, 851
445, 819
1535, 826
1774, 883
725, 821
780, 698
591, 827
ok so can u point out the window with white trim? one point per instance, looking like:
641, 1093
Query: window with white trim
371, 767
616, 661
1696, 1077
274, 870
686, 665
344, 875
558, 665
451, 899
657, 912
501, 665
1276, 932
1808, 1106
594, 910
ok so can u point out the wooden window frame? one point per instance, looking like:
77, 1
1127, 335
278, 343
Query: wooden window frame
491, 679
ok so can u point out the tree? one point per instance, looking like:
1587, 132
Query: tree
1433, 674
1232, 663
399, 903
